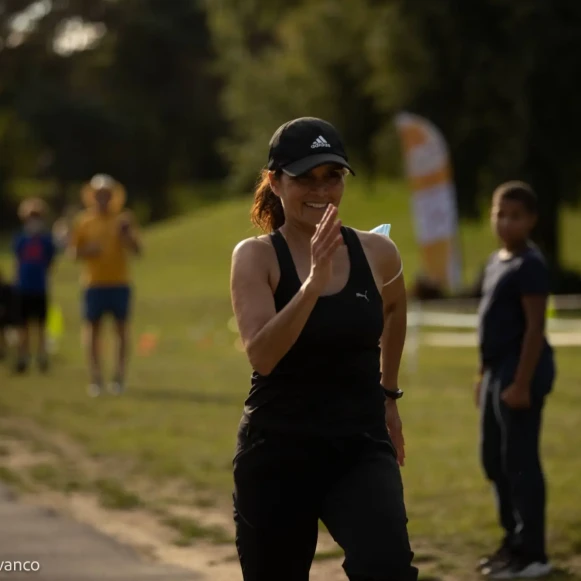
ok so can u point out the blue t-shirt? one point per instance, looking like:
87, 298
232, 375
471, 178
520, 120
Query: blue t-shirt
502, 320
34, 255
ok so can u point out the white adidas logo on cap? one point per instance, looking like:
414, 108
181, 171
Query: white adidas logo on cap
320, 142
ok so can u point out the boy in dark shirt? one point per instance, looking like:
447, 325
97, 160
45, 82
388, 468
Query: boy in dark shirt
34, 250
516, 374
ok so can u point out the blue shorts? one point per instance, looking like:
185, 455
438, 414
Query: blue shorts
102, 300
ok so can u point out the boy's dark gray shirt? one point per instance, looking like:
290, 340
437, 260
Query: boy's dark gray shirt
501, 316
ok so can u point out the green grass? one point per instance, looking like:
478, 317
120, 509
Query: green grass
329, 554
10, 477
113, 495
56, 476
180, 414
189, 530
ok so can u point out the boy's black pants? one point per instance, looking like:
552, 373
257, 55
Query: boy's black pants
285, 483
510, 441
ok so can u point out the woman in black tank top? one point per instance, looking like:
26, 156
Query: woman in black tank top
322, 314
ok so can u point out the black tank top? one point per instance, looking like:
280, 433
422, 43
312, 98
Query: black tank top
329, 381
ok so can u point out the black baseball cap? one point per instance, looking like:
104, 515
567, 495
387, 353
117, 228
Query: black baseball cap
303, 144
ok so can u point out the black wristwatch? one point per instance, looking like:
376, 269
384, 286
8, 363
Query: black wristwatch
393, 394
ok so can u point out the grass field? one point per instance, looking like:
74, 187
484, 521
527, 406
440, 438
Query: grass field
179, 417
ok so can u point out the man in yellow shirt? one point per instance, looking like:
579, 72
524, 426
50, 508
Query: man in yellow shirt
103, 238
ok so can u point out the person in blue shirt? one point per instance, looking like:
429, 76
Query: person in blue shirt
517, 371
34, 251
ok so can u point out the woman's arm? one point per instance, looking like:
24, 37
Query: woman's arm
389, 273
393, 293
266, 335
392, 344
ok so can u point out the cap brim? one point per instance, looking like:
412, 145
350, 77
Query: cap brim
302, 166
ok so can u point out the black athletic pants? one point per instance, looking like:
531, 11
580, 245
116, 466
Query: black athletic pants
285, 483
510, 441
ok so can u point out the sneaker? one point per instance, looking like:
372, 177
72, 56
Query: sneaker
116, 387
94, 390
42, 363
498, 559
520, 569
21, 365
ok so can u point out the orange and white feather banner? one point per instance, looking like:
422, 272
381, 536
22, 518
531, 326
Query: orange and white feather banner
429, 171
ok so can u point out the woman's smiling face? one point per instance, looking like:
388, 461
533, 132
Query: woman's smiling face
305, 197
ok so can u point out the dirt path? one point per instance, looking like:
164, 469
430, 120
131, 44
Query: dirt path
142, 531
27, 450
46, 544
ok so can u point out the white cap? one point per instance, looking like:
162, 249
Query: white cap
102, 181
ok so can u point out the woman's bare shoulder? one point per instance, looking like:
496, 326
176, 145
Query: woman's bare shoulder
377, 244
256, 248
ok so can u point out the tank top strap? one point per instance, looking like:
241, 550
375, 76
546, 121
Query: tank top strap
289, 278
361, 273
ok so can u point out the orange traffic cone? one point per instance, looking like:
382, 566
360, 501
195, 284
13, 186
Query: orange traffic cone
147, 344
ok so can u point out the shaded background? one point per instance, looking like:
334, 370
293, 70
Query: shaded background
179, 98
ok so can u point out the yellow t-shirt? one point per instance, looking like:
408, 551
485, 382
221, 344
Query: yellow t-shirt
111, 266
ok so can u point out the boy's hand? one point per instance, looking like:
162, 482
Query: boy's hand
516, 397
90, 249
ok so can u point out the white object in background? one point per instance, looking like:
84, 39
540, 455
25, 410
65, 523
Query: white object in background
383, 229
12, 337
412, 343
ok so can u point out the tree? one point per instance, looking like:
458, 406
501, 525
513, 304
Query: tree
282, 60
138, 100
166, 91
500, 79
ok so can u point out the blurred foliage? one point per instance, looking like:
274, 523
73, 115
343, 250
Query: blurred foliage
161, 92
499, 78
124, 87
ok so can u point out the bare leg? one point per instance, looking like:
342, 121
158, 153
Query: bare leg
93, 346
24, 341
23, 347
41, 340
122, 336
